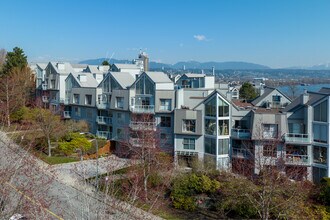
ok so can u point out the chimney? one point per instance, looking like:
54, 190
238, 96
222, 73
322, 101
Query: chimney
261, 90
60, 66
304, 97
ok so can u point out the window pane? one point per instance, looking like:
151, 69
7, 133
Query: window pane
223, 127
223, 146
210, 108
210, 126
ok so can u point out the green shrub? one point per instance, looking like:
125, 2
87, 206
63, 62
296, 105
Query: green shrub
74, 141
325, 191
187, 187
20, 114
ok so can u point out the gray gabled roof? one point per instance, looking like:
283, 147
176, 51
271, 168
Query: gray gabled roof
325, 90
67, 67
90, 80
267, 91
42, 65
313, 97
210, 95
159, 77
123, 78
98, 69
79, 65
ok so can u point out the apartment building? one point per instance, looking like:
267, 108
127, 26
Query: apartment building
195, 118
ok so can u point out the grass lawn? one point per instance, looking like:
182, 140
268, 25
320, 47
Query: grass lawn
57, 159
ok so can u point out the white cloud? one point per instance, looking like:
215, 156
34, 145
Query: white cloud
200, 37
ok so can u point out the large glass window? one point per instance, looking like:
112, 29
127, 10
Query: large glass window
210, 127
223, 108
321, 112
144, 86
210, 108
223, 146
165, 121
296, 128
269, 130
165, 105
76, 98
223, 127
320, 133
320, 154
210, 145
119, 102
189, 143
189, 125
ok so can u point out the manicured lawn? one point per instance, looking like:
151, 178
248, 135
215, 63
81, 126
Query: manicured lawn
57, 159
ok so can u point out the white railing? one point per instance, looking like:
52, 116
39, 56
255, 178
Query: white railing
103, 120
136, 125
143, 108
240, 133
103, 134
67, 114
297, 159
297, 138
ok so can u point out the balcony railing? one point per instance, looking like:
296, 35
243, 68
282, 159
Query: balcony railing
138, 142
44, 86
103, 120
297, 138
45, 98
143, 108
241, 133
67, 114
103, 134
102, 105
240, 152
136, 125
65, 101
297, 159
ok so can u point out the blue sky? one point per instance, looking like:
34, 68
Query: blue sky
277, 33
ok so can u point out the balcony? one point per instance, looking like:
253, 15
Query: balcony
138, 142
103, 134
240, 152
44, 86
296, 159
143, 109
240, 133
45, 99
297, 138
103, 120
66, 114
102, 105
137, 125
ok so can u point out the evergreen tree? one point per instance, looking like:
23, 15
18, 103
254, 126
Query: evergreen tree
16, 58
105, 63
247, 91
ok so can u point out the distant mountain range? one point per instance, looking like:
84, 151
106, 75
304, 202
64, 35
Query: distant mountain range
188, 65
323, 66
233, 65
